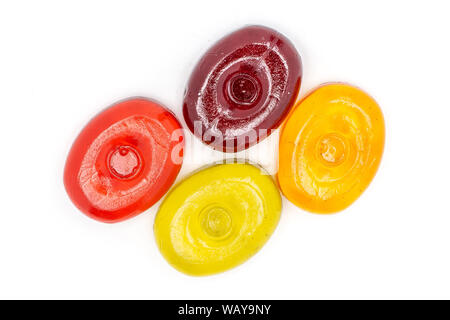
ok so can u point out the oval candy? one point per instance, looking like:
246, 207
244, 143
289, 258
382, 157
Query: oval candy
242, 88
124, 160
217, 218
330, 148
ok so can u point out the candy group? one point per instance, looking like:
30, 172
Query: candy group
246, 85
217, 218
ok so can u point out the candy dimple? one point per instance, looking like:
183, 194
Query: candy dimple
246, 82
243, 89
332, 149
124, 162
216, 221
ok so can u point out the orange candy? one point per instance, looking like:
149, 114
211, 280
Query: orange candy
330, 148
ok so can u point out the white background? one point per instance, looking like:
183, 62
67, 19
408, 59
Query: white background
61, 62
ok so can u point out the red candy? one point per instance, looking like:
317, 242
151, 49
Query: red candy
242, 88
124, 160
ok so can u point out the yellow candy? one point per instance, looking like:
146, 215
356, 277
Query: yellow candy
330, 148
217, 218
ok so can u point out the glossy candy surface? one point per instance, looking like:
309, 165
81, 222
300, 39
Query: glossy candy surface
124, 160
242, 88
330, 148
217, 218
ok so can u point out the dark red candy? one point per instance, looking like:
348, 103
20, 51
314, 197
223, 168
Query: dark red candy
241, 88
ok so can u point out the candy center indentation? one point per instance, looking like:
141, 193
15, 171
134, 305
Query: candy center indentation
332, 149
124, 162
243, 89
216, 221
